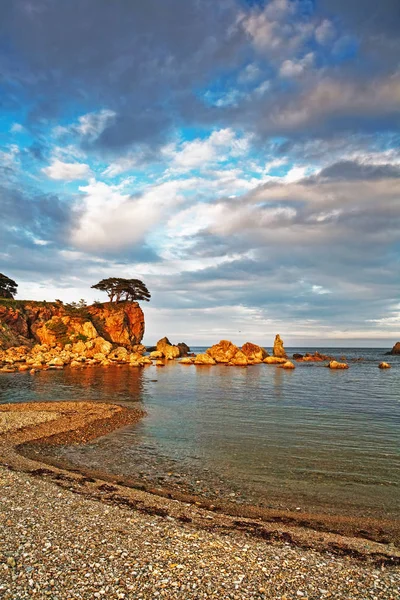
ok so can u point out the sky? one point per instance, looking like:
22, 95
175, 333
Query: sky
241, 157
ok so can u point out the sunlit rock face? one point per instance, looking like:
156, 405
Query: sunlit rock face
279, 350
53, 323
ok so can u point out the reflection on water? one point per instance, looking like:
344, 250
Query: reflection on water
310, 437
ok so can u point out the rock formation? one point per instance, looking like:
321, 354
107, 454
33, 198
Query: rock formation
395, 350
334, 364
53, 323
168, 350
279, 351
254, 354
385, 365
274, 360
223, 352
204, 359
287, 365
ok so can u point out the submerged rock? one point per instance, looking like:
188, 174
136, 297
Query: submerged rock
279, 350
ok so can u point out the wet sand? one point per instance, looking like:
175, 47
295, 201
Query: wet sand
31, 426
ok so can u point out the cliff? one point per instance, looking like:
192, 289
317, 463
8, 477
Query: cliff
27, 323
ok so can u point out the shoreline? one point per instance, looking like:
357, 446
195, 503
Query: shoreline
79, 422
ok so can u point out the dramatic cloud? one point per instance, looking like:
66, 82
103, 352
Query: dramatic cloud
242, 157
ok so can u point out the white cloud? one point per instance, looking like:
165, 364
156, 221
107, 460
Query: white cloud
294, 68
66, 171
218, 147
110, 220
93, 124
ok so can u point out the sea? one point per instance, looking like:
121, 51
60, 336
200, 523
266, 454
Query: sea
310, 439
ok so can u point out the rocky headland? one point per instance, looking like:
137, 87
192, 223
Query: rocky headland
25, 323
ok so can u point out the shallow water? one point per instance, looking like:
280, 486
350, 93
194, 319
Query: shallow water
311, 438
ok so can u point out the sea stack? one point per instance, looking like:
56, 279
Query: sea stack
279, 351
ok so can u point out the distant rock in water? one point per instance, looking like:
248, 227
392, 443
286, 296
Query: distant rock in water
184, 348
168, 350
395, 350
279, 350
254, 353
334, 364
385, 365
57, 324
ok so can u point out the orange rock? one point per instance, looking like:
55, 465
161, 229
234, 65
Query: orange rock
334, 364
204, 359
385, 365
240, 359
253, 352
222, 352
287, 365
274, 360
279, 351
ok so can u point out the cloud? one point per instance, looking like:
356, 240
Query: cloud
199, 153
66, 171
329, 103
109, 220
295, 68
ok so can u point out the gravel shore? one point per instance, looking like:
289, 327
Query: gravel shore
68, 536
56, 544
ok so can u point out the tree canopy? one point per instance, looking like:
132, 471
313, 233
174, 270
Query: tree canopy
122, 290
8, 287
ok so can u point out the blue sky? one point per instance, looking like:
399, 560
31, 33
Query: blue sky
241, 157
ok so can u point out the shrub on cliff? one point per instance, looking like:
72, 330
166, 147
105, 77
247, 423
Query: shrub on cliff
8, 287
123, 290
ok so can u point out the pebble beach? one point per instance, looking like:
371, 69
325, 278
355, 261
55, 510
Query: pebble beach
55, 544
58, 543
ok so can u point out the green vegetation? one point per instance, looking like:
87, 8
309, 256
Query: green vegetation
123, 290
8, 287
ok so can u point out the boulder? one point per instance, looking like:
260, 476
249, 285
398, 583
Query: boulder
253, 352
79, 348
274, 360
334, 364
287, 365
385, 365
240, 359
139, 348
184, 348
56, 362
222, 352
204, 359
169, 351
395, 350
187, 361
279, 351
156, 354
298, 356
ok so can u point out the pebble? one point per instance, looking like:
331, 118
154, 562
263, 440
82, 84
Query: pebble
59, 545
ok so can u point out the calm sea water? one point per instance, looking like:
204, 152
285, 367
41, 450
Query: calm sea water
311, 438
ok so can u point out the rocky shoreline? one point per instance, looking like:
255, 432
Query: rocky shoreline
100, 352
